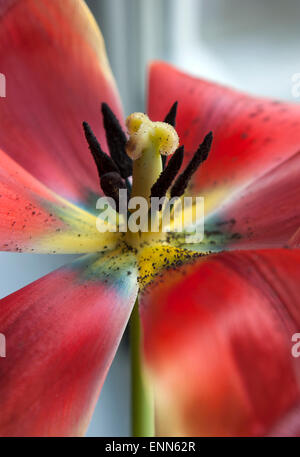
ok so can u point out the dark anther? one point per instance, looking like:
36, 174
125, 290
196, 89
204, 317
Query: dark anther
111, 183
103, 161
170, 119
200, 156
171, 116
116, 140
159, 189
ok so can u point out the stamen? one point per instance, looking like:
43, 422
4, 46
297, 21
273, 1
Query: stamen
171, 116
159, 189
199, 157
111, 183
116, 140
103, 162
170, 119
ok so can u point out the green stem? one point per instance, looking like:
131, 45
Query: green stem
142, 408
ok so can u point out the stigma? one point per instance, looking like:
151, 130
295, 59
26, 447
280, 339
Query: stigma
144, 134
147, 142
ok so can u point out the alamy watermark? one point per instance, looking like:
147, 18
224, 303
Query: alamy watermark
2, 85
296, 347
295, 85
138, 214
2, 345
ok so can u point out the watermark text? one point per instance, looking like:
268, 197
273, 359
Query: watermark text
137, 214
296, 347
2, 345
2, 85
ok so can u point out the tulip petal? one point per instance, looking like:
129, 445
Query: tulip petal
294, 241
252, 135
218, 343
53, 58
289, 425
34, 219
62, 333
265, 214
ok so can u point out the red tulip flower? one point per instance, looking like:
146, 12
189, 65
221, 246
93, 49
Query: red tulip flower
218, 317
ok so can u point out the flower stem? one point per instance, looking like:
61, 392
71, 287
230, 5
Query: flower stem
142, 407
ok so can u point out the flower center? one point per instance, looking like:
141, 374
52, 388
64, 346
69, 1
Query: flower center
143, 156
148, 141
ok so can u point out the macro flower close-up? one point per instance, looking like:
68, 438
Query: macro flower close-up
212, 308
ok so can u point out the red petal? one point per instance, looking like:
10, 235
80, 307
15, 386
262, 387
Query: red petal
289, 425
34, 219
52, 55
251, 135
294, 241
266, 213
218, 343
62, 333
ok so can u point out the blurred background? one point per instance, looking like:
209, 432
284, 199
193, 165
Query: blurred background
253, 46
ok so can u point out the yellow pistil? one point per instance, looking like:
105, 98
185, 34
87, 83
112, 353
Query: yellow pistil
147, 142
